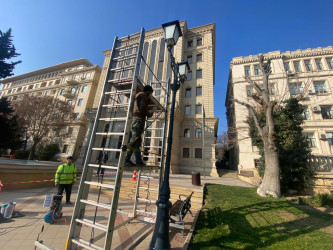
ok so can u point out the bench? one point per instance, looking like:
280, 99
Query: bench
179, 210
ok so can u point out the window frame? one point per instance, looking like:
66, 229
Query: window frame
196, 90
188, 92
187, 108
199, 39
187, 133
198, 111
199, 56
198, 74
198, 153
186, 152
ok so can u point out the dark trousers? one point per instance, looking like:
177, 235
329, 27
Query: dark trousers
68, 189
101, 170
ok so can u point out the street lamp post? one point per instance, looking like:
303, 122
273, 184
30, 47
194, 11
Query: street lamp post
160, 239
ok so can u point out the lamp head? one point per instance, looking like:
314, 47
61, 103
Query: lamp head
172, 32
182, 69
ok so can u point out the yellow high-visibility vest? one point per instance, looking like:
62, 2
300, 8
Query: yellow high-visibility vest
66, 174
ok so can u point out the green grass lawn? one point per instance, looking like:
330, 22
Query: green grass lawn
237, 218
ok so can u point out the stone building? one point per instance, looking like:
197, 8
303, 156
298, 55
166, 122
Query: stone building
307, 73
75, 81
197, 46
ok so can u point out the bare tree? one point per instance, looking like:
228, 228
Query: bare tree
40, 116
271, 181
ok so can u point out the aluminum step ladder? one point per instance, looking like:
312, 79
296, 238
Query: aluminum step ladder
115, 109
96, 209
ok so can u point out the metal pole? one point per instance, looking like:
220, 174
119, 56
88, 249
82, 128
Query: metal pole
160, 239
203, 147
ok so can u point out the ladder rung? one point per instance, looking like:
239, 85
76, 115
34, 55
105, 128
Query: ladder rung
107, 149
157, 96
147, 177
110, 133
96, 204
123, 80
144, 199
102, 166
93, 183
115, 105
127, 91
145, 212
113, 119
129, 46
152, 146
152, 189
129, 67
86, 244
90, 223
153, 156
123, 58
154, 137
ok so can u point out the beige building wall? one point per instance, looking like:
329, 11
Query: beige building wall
75, 82
181, 162
301, 73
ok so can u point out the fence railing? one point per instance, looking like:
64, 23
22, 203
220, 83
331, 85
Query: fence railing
322, 163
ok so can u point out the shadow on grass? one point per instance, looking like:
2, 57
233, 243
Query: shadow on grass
262, 224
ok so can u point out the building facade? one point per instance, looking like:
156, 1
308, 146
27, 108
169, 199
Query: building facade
75, 82
197, 46
301, 73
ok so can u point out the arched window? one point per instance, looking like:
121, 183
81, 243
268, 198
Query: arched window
161, 60
198, 133
187, 133
152, 62
143, 65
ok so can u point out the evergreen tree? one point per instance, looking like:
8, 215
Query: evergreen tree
7, 51
293, 149
10, 133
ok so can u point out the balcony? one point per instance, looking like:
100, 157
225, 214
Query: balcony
68, 94
72, 82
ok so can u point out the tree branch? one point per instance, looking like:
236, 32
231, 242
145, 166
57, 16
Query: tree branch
254, 115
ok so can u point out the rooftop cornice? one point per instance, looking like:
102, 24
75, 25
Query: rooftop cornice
94, 67
285, 55
49, 69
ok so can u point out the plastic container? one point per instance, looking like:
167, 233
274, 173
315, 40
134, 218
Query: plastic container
3, 208
9, 210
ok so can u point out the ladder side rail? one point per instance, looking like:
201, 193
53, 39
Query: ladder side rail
137, 193
164, 134
83, 189
118, 178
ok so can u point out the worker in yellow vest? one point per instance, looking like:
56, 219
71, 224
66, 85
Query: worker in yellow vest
65, 178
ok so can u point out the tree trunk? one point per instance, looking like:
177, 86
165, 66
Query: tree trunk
271, 182
32, 151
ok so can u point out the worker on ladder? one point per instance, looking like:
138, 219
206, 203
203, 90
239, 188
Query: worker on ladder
140, 112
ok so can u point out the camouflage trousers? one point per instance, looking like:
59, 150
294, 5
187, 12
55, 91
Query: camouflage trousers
135, 140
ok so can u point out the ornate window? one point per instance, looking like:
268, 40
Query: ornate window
198, 133
187, 133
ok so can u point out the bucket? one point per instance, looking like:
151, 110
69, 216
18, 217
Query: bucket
9, 210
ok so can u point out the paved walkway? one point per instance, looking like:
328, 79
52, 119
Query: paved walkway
20, 233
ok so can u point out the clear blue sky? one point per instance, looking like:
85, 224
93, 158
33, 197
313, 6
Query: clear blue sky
51, 32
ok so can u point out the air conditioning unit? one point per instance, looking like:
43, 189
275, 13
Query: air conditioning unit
311, 92
290, 72
323, 137
316, 109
